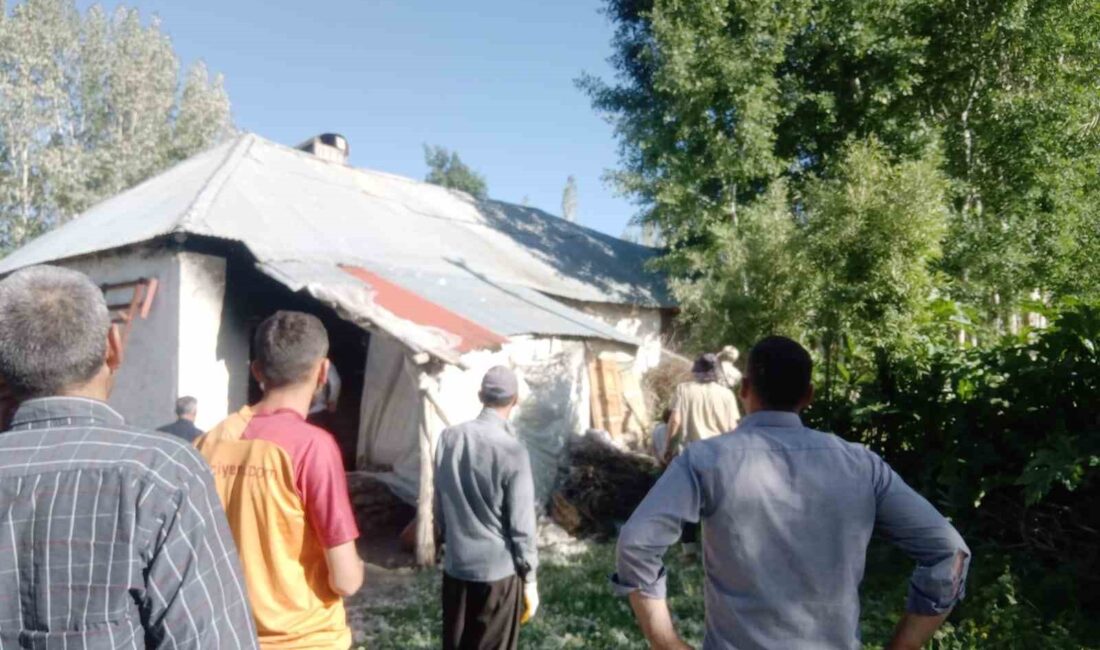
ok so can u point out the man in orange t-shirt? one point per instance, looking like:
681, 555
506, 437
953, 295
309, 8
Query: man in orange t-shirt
285, 493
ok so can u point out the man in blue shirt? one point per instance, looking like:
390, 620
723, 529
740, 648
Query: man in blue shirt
787, 514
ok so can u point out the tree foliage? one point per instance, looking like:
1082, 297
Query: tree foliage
445, 168
716, 101
903, 185
750, 282
872, 231
90, 105
1004, 438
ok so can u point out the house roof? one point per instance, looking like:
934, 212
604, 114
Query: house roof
487, 260
449, 315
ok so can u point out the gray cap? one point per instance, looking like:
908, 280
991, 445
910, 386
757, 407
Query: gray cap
499, 385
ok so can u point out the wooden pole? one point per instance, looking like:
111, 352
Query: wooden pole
432, 423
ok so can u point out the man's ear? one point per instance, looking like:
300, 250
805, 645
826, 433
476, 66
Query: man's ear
807, 398
114, 353
743, 389
257, 373
322, 372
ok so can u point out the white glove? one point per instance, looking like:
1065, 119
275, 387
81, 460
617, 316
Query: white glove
530, 600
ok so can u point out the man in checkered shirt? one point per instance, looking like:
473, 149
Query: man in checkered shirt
110, 537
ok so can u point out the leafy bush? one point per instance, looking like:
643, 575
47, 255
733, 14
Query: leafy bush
1005, 439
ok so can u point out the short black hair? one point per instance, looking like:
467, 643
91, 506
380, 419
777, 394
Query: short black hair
780, 371
496, 402
286, 346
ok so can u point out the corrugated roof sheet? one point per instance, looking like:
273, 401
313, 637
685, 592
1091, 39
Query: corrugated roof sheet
500, 309
414, 307
284, 204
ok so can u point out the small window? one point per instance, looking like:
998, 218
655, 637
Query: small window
128, 301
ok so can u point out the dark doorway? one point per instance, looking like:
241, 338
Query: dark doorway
256, 296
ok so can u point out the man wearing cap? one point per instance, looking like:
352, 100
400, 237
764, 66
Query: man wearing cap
485, 509
701, 409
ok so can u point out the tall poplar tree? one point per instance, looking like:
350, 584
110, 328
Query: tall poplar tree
91, 105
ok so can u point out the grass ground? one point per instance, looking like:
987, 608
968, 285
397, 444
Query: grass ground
578, 610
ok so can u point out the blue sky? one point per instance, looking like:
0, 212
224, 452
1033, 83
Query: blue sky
492, 79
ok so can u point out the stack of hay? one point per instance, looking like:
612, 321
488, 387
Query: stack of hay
604, 485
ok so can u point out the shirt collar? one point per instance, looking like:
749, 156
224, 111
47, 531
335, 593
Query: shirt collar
44, 412
772, 419
282, 411
492, 416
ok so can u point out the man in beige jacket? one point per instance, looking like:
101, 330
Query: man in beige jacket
701, 409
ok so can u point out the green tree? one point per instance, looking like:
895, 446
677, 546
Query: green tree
872, 234
752, 280
91, 105
445, 168
714, 102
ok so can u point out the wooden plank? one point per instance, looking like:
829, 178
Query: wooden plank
612, 389
139, 304
596, 394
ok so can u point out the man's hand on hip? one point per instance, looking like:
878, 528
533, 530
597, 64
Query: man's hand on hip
656, 623
914, 630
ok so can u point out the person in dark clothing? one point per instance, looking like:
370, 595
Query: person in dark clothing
485, 509
187, 408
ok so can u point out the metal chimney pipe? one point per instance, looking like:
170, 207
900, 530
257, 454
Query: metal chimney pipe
328, 146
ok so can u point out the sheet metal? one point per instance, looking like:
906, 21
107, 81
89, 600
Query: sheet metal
285, 204
444, 315
417, 309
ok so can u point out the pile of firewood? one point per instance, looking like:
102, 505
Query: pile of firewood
603, 486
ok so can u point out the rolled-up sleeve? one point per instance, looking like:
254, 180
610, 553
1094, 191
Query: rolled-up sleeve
915, 526
654, 526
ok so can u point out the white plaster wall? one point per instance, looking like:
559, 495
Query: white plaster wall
204, 351
183, 347
146, 384
640, 322
553, 404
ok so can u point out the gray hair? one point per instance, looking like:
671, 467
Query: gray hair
53, 330
186, 405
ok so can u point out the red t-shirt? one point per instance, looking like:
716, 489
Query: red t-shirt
318, 472
282, 483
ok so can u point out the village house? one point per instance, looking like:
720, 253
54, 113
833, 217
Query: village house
422, 289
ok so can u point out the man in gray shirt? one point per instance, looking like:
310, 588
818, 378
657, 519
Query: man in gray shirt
787, 514
485, 509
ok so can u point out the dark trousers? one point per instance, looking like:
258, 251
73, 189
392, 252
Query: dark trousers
481, 615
